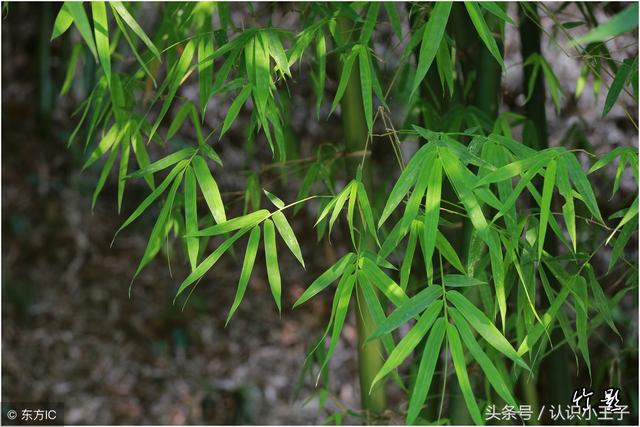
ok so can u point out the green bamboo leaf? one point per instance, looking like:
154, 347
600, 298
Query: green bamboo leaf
247, 267
209, 189
175, 79
142, 157
447, 251
340, 200
485, 327
581, 183
409, 342
234, 109
205, 68
287, 234
108, 165
209, 261
325, 279
545, 206
621, 241
191, 216
250, 220
483, 31
77, 12
445, 66
121, 11
496, 9
516, 168
387, 286
460, 281
369, 23
494, 377
62, 23
107, 141
624, 21
271, 256
353, 196
568, 208
394, 18
321, 57
160, 229
432, 211
345, 289
154, 195
407, 261
178, 119
164, 163
277, 202
132, 45
345, 73
581, 297
457, 356
365, 84
407, 311
539, 328
630, 214
431, 39
601, 301
406, 180
122, 170
71, 68
101, 30
430, 356
366, 211
278, 54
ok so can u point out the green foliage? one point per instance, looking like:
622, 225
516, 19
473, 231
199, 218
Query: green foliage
488, 302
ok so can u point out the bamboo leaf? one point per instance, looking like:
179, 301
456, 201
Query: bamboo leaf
191, 216
432, 211
624, 21
483, 31
485, 327
579, 179
250, 220
408, 310
122, 170
234, 109
209, 189
76, 10
159, 230
247, 267
164, 163
108, 165
457, 355
175, 78
369, 23
430, 356
345, 73
325, 279
101, 30
209, 261
460, 281
582, 302
271, 256
122, 11
492, 374
407, 261
287, 234
62, 23
409, 342
365, 84
431, 39
343, 294
545, 205
154, 195
394, 18
388, 287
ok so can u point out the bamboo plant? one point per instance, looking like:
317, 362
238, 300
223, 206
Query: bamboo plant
474, 241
